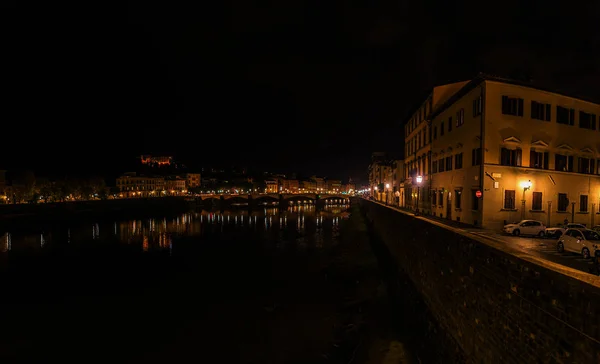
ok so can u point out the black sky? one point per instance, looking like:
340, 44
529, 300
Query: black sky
303, 86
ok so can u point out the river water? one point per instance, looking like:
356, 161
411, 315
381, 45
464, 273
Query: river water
296, 285
203, 284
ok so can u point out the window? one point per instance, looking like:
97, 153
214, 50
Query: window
434, 132
538, 159
474, 200
583, 203
540, 111
449, 163
587, 120
512, 106
457, 198
565, 116
441, 165
509, 199
510, 157
586, 165
477, 106
476, 157
442, 128
450, 124
434, 167
458, 159
433, 197
441, 197
563, 202
536, 204
563, 163
460, 117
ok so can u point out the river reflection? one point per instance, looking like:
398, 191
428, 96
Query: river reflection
299, 226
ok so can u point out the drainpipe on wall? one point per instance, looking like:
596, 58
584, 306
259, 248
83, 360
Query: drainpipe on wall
481, 145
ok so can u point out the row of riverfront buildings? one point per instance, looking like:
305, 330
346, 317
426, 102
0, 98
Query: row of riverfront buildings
491, 150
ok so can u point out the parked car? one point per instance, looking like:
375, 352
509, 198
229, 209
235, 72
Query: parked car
556, 232
581, 241
597, 228
526, 227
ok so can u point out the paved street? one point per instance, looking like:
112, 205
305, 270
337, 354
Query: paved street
538, 247
543, 248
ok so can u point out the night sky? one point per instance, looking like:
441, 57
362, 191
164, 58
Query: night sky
312, 87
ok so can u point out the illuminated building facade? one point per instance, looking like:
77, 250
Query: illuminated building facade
503, 151
132, 185
290, 185
417, 144
334, 186
272, 186
192, 180
157, 161
175, 185
308, 186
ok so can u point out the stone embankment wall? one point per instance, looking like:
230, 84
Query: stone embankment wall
499, 304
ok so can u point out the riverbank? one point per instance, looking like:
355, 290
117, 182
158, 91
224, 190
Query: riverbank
89, 209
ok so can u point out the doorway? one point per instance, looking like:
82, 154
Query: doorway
449, 206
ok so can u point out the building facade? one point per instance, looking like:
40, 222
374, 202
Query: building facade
272, 186
133, 185
381, 177
193, 180
417, 144
503, 151
175, 185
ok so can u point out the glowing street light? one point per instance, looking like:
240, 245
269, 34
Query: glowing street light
419, 180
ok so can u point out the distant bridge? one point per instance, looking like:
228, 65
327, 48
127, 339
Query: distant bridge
278, 196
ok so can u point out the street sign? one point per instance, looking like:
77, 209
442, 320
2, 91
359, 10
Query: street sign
478, 194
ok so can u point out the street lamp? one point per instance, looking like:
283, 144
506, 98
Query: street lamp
419, 180
526, 186
387, 192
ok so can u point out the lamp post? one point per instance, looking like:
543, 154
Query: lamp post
526, 186
387, 192
419, 180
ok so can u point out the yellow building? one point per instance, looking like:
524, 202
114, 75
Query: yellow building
417, 153
132, 185
385, 177
539, 161
272, 186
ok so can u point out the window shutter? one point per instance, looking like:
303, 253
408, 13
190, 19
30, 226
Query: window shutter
532, 158
570, 166
546, 160
518, 158
548, 112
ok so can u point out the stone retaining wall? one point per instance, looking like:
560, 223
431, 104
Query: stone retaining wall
499, 304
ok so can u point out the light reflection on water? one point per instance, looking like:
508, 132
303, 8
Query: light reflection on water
302, 225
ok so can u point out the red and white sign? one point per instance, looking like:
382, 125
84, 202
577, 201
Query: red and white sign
478, 194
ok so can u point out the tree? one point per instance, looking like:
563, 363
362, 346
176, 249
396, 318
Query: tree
46, 191
114, 191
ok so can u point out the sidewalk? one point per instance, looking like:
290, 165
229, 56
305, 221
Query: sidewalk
447, 222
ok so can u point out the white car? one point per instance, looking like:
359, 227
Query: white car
556, 232
526, 227
585, 242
